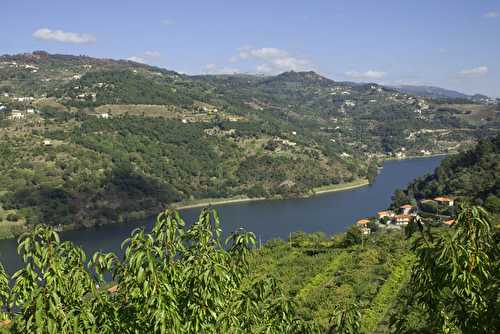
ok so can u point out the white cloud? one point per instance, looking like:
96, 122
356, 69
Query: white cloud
265, 69
63, 36
475, 72
368, 75
167, 22
147, 56
214, 69
274, 60
137, 59
152, 54
491, 15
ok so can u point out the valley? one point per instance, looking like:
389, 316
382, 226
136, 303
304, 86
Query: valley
74, 128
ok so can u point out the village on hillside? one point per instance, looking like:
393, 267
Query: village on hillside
439, 210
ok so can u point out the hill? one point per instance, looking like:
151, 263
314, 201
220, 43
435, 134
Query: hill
444, 94
432, 92
473, 175
91, 141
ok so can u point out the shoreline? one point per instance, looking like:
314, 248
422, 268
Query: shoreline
341, 187
242, 199
215, 201
232, 200
411, 157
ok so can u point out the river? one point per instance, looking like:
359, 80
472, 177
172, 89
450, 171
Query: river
328, 212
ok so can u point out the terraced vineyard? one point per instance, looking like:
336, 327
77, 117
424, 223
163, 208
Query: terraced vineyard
322, 273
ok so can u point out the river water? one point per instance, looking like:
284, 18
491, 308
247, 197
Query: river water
329, 213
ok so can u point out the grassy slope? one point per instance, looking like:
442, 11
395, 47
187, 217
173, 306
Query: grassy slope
320, 274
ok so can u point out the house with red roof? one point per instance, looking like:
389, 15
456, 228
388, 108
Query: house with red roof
406, 209
445, 200
402, 220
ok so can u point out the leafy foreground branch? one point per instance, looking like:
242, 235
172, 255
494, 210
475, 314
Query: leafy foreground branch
172, 280
455, 281
179, 279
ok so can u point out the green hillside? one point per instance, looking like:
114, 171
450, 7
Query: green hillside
472, 175
88, 141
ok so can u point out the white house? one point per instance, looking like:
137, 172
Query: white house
365, 230
383, 214
406, 209
103, 115
16, 114
25, 99
445, 200
402, 219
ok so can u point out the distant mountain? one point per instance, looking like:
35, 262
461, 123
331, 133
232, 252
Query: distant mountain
432, 92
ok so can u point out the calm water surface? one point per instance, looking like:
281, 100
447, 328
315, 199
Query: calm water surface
330, 213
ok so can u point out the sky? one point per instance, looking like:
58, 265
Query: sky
453, 44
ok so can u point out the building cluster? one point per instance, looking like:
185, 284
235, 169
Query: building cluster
402, 216
19, 114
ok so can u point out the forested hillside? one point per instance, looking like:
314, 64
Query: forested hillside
473, 175
88, 141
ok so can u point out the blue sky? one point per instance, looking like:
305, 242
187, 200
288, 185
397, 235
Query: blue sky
452, 44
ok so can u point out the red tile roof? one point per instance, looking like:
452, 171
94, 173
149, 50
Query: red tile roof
4, 323
113, 289
362, 222
385, 213
426, 200
443, 199
449, 222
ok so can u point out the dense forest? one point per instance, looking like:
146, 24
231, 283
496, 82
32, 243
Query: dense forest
472, 175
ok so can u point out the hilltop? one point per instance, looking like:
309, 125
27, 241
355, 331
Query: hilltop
91, 141
444, 94
473, 175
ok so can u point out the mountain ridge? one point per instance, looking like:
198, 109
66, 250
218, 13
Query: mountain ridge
418, 90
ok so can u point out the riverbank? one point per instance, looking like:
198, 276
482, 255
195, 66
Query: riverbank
9, 231
214, 201
242, 199
341, 187
419, 156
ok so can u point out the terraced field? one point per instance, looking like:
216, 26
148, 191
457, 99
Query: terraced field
322, 273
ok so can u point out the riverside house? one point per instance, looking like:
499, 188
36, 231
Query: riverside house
445, 200
363, 226
406, 209
403, 219
384, 214
449, 222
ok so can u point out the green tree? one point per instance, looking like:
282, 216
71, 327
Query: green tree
346, 320
455, 279
172, 280
353, 236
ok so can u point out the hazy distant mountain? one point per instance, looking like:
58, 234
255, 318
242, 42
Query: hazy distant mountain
432, 92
